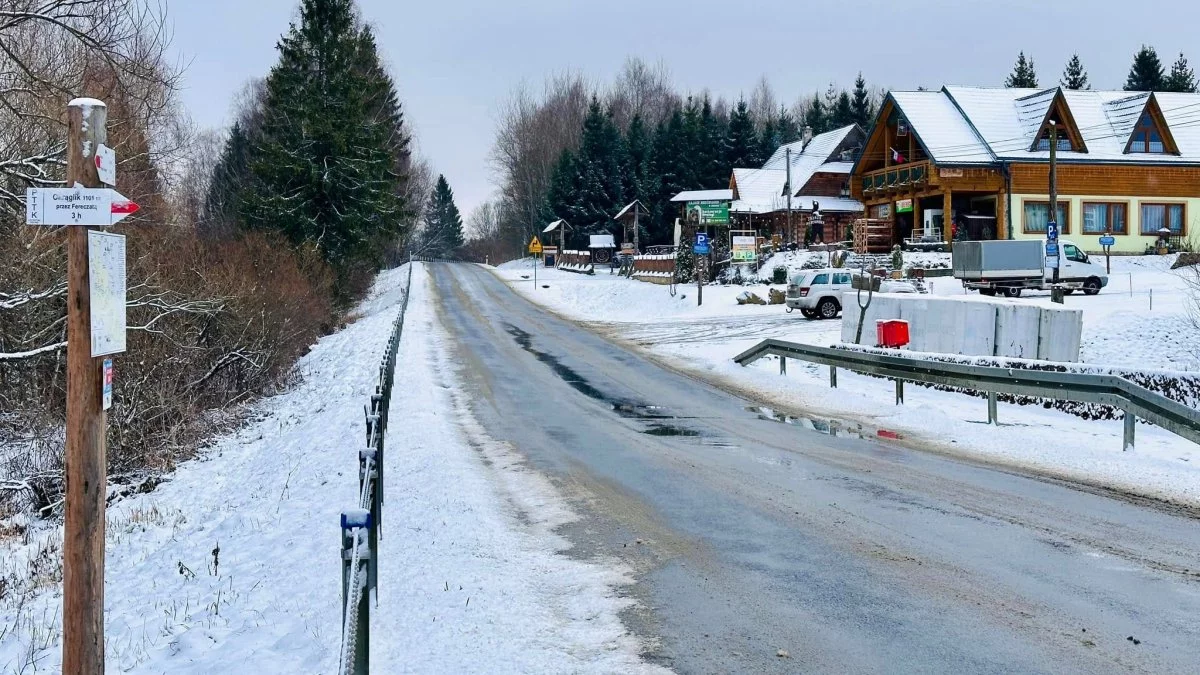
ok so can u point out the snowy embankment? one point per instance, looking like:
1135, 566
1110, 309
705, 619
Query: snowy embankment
1139, 322
232, 564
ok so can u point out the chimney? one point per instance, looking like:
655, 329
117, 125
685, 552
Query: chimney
807, 136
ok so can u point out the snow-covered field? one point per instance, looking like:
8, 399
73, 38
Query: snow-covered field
1139, 321
472, 576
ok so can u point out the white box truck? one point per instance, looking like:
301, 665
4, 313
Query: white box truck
1009, 266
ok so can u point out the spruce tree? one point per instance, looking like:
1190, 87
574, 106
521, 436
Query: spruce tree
599, 166
668, 159
815, 116
443, 235
324, 171
1023, 74
861, 104
640, 179
742, 143
830, 101
711, 150
1074, 76
639, 151
1146, 73
769, 140
562, 194
789, 127
1182, 78
843, 112
229, 177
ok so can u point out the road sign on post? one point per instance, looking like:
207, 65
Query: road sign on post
701, 246
1107, 241
106, 164
535, 245
89, 207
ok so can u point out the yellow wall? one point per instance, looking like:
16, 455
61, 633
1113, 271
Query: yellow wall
1134, 242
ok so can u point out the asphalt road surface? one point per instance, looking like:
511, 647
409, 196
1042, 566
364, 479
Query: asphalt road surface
751, 532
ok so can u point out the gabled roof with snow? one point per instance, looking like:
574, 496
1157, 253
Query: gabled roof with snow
941, 128
981, 125
629, 207
764, 190
759, 190
702, 195
818, 151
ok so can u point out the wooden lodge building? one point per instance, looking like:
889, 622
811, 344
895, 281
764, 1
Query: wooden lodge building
819, 172
978, 158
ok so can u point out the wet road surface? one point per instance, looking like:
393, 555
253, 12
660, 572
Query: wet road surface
752, 532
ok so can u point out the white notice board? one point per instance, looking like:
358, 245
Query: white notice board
106, 281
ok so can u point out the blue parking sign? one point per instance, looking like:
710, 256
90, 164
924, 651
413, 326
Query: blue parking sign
701, 245
1052, 231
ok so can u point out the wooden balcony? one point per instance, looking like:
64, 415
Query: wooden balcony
896, 179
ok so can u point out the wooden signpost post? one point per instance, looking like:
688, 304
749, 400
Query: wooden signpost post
95, 329
83, 539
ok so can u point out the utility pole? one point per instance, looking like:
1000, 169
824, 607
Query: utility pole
788, 155
83, 534
1056, 293
636, 229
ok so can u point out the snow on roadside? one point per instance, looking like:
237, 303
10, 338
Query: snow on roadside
473, 578
232, 564
1120, 329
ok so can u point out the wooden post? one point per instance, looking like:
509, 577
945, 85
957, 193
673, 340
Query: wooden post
948, 216
83, 536
1002, 215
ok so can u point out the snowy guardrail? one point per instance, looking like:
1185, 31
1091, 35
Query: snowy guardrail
1136, 401
362, 525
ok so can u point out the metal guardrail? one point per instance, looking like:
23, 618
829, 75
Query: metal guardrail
1136, 401
362, 526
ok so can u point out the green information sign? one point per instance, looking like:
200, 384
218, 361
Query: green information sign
712, 211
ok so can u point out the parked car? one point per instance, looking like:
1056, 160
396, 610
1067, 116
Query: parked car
818, 293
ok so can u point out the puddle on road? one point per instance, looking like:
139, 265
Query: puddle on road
666, 430
624, 408
830, 427
654, 415
577, 382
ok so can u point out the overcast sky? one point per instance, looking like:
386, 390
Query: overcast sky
455, 61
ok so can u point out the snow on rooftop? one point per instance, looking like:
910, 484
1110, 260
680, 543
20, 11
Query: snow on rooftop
946, 135
836, 167
804, 203
978, 125
702, 195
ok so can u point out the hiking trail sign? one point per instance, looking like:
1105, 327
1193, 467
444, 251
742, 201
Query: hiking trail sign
93, 207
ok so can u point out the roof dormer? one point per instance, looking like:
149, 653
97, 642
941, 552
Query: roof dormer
1058, 115
1150, 134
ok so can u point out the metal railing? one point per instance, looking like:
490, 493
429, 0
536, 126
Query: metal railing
1136, 401
362, 526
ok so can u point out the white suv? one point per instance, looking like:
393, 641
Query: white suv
818, 293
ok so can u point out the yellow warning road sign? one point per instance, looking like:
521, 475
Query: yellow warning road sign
535, 246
